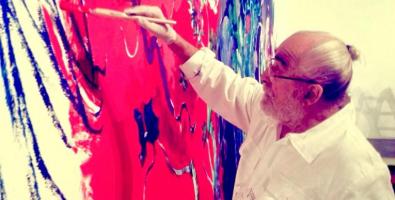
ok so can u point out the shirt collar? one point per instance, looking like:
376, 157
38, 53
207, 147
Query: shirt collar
312, 142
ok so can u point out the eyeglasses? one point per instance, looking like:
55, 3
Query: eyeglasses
309, 81
274, 65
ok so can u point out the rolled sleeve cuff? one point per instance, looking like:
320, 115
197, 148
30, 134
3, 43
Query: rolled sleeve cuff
192, 66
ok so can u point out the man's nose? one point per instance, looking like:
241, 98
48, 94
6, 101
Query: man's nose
265, 77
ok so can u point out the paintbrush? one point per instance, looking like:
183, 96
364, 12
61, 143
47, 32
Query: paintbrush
110, 13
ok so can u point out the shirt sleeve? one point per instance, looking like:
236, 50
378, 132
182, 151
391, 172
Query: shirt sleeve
373, 186
231, 96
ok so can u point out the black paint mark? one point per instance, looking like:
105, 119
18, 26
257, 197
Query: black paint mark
148, 129
192, 126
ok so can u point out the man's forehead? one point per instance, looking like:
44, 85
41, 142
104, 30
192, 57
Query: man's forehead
291, 50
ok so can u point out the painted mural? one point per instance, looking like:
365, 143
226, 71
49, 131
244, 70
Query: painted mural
94, 107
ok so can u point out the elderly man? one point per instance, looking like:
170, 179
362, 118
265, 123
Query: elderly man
302, 142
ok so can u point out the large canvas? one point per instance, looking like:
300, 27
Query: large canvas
93, 107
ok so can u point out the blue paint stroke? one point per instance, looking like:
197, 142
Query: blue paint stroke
2, 191
22, 117
37, 75
32, 180
208, 131
239, 46
230, 141
149, 49
144, 137
90, 78
16, 118
76, 100
15, 97
183, 82
148, 128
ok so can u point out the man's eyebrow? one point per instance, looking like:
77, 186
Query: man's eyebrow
281, 59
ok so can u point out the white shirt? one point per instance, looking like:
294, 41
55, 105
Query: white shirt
332, 160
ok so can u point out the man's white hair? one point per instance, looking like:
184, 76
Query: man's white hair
329, 62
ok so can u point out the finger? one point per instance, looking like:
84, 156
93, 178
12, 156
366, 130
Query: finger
142, 22
148, 11
168, 27
152, 27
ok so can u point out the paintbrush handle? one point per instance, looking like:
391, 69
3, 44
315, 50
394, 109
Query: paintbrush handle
110, 13
118, 14
155, 20
107, 12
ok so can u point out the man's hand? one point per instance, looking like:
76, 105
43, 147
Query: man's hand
183, 49
162, 31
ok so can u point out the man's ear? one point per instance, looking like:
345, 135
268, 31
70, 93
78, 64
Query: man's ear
313, 94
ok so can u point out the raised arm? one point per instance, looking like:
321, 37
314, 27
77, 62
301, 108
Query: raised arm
231, 96
183, 49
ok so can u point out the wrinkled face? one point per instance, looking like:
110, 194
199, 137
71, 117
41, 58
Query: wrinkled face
283, 84
288, 92
281, 95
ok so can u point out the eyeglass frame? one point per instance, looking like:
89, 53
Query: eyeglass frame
268, 65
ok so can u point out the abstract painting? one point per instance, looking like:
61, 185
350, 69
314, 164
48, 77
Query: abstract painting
95, 107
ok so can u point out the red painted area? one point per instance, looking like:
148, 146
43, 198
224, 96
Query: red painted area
248, 23
128, 84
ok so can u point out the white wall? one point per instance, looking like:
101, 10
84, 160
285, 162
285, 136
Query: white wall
370, 26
